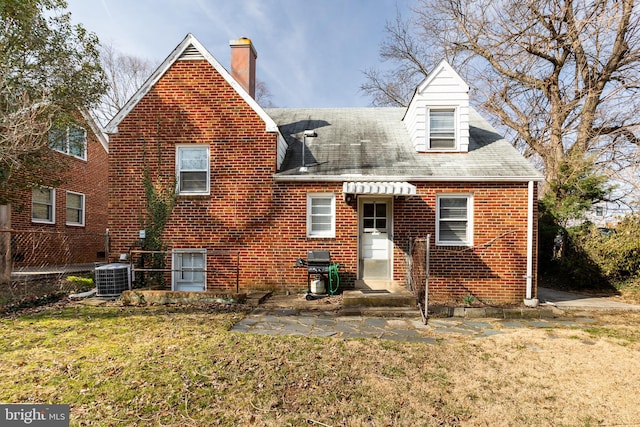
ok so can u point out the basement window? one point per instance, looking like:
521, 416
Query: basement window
189, 270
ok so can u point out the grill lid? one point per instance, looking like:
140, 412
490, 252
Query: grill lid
317, 257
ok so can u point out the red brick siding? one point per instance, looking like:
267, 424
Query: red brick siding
88, 177
266, 220
494, 269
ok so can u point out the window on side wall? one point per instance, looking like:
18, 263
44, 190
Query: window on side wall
189, 270
454, 224
442, 128
321, 215
75, 209
43, 205
192, 169
71, 141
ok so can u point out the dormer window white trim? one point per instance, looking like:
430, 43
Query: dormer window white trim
442, 90
442, 128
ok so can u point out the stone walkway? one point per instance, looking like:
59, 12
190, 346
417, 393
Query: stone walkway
293, 315
330, 324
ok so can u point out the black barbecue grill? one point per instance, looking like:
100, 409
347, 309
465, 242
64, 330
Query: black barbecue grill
317, 263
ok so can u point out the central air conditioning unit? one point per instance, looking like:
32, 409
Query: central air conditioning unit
112, 279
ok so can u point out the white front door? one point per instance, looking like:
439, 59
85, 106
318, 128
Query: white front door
375, 244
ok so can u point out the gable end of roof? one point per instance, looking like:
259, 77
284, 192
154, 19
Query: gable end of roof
188, 49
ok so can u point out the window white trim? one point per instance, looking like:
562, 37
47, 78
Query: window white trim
81, 210
192, 278
320, 223
180, 171
455, 129
65, 146
51, 206
468, 219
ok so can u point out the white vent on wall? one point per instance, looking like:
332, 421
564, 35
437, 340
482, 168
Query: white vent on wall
191, 54
112, 279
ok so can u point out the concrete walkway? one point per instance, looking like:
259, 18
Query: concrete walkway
573, 301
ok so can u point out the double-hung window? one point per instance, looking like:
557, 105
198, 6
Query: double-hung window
71, 141
75, 208
442, 128
189, 270
454, 220
192, 167
43, 205
321, 215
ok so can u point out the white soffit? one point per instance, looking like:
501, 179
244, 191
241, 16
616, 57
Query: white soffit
388, 188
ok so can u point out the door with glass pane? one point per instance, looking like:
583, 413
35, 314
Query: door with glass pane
375, 244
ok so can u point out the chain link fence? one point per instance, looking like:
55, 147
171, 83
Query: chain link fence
38, 249
36, 262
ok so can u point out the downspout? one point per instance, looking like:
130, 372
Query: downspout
529, 301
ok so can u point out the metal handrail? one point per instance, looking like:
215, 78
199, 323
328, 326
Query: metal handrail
171, 270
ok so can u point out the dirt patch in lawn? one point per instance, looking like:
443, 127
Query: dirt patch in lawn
177, 366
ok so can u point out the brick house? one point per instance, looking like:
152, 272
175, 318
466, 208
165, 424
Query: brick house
358, 182
64, 220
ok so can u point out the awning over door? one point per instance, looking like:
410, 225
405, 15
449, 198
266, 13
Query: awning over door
389, 188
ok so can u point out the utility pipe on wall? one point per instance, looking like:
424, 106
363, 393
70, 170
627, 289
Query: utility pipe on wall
529, 300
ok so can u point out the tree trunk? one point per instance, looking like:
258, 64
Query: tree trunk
5, 244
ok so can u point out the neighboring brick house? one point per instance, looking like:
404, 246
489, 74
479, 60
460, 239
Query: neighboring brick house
368, 181
66, 222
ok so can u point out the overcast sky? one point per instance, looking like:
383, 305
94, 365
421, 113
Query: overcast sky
311, 53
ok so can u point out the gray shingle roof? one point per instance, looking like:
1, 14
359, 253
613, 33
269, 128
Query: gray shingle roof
373, 144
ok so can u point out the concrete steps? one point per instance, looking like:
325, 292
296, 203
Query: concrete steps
358, 310
379, 297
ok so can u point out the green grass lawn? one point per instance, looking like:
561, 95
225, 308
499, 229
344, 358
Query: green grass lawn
181, 366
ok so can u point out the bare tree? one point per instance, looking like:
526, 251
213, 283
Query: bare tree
562, 75
263, 95
125, 75
24, 124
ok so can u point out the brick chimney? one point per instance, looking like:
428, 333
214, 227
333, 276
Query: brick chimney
243, 64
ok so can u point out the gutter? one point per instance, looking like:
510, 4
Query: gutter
397, 178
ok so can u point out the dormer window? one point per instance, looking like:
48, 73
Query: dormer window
442, 129
437, 117
71, 141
